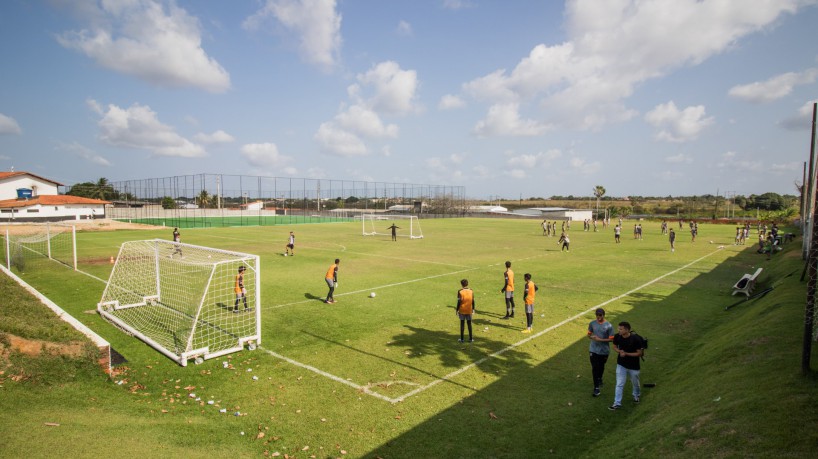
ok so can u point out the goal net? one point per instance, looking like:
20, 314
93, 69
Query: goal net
381, 225
182, 299
29, 244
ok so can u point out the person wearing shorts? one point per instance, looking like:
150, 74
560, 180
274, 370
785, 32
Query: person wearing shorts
290, 247
508, 291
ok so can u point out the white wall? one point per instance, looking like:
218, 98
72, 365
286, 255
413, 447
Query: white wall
8, 186
66, 212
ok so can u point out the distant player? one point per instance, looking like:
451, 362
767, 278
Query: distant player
529, 292
565, 242
332, 280
617, 233
672, 238
241, 292
508, 291
177, 238
289, 249
394, 231
465, 308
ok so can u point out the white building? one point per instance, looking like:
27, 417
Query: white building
26, 197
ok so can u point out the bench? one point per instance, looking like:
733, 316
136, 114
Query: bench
747, 283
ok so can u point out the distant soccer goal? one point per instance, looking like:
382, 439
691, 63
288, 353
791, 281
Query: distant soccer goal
30, 243
184, 300
381, 225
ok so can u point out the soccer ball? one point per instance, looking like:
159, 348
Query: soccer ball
372, 295
285, 254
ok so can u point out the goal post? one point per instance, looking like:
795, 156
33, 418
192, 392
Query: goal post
182, 300
381, 225
40, 241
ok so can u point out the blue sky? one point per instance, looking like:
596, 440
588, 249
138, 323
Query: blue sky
511, 98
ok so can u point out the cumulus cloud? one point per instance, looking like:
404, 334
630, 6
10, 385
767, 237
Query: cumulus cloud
316, 23
385, 89
144, 39
678, 126
8, 125
215, 137
504, 119
139, 127
265, 156
612, 47
774, 88
450, 102
519, 166
83, 152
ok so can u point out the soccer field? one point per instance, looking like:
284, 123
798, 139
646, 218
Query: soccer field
386, 376
403, 341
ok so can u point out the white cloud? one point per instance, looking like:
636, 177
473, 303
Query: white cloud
138, 127
316, 23
394, 88
214, 137
613, 46
265, 156
584, 167
504, 119
449, 102
84, 152
457, 4
802, 120
384, 89
774, 88
8, 125
404, 29
678, 126
142, 39
680, 158
333, 139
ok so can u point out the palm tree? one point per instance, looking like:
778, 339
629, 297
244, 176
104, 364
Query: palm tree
599, 191
204, 199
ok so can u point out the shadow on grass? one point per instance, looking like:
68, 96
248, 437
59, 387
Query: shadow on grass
547, 409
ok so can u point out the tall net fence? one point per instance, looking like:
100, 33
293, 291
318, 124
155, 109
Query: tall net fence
26, 247
212, 200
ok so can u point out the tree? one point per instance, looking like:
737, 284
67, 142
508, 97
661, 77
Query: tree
168, 203
599, 191
204, 199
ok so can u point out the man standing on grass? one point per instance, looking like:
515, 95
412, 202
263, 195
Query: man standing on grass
394, 231
465, 308
290, 247
241, 292
566, 242
177, 238
672, 239
529, 292
629, 347
508, 291
332, 280
617, 233
600, 332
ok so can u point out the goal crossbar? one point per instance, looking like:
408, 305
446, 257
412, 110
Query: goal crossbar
407, 226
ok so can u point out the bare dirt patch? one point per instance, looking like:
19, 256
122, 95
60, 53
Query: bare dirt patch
35, 347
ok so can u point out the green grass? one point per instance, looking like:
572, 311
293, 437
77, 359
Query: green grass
728, 382
231, 221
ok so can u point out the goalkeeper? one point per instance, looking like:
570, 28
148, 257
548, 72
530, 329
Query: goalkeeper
332, 280
241, 292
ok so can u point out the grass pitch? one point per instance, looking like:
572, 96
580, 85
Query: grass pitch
385, 376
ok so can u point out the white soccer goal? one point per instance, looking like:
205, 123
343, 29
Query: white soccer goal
181, 299
33, 242
380, 225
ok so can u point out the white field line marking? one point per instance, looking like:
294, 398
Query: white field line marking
380, 287
537, 335
357, 387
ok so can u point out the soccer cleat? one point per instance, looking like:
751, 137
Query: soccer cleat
460, 340
636, 400
526, 330
597, 392
327, 301
614, 407
512, 315
471, 340
505, 317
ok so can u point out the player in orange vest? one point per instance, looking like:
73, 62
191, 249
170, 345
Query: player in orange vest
465, 307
